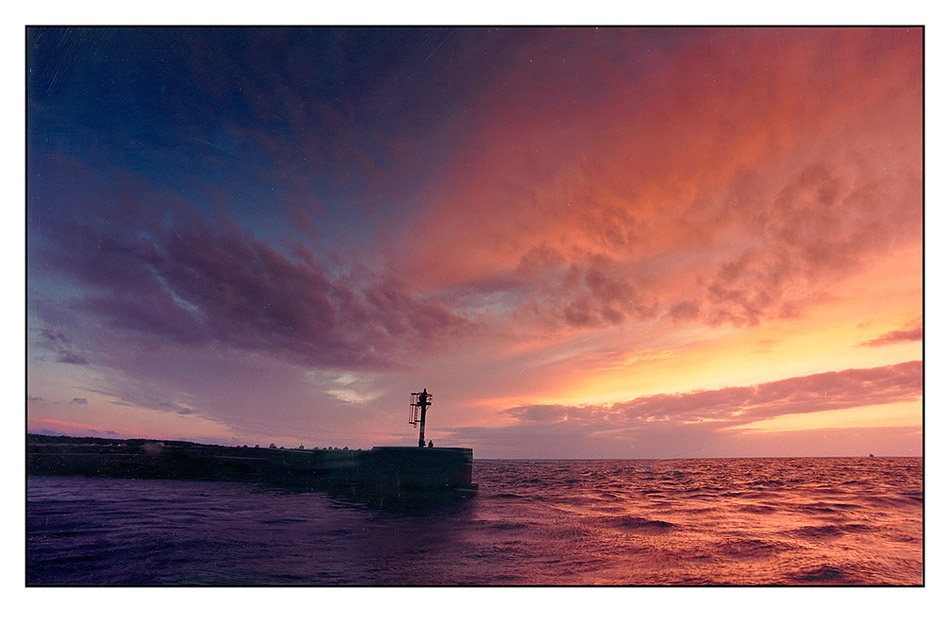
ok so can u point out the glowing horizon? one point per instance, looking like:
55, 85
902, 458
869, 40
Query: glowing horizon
606, 243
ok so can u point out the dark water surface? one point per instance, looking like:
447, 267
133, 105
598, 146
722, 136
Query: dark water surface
808, 521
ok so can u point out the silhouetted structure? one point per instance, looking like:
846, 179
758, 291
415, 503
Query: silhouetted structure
419, 403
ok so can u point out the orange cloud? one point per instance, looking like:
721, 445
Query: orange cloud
738, 405
731, 178
705, 421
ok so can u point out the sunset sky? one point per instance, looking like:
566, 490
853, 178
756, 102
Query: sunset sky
585, 243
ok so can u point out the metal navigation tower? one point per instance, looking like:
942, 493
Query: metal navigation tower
418, 405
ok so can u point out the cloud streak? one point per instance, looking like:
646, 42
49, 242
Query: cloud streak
911, 331
735, 406
57, 342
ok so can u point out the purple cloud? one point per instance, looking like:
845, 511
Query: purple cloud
196, 283
62, 346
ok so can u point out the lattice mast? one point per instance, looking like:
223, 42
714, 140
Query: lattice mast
417, 415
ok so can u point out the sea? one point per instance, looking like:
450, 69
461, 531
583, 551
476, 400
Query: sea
691, 522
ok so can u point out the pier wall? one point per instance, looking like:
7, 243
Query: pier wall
380, 472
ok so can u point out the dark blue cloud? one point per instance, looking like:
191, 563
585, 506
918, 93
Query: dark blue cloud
153, 153
340, 113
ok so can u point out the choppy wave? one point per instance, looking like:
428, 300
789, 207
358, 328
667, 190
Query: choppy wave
833, 521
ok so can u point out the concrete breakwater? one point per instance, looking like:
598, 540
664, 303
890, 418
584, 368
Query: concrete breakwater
382, 473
